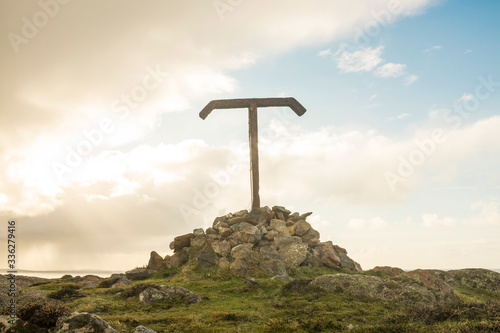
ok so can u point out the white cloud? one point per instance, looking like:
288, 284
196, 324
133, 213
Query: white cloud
401, 116
433, 221
465, 97
468, 51
489, 214
364, 59
359, 224
430, 49
390, 70
325, 53
410, 79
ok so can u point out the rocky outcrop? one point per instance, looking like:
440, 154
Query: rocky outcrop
84, 323
138, 274
406, 288
152, 295
262, 241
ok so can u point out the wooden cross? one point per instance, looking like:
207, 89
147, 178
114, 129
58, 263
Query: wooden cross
252, 104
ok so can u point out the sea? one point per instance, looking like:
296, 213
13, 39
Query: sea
61, 273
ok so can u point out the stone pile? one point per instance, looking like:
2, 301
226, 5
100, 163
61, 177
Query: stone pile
264, 240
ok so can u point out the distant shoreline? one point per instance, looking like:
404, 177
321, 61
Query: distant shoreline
60, 273
103, 274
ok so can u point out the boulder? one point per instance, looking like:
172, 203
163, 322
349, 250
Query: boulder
206, 259
156, 261
273, 267
329, 257
240, 226
83, 322
386, 271
250, 234
181, 242
225, 232
235, 220
292, 250
282, 210
91, 281
211, 231
345, 261
239, 267
198, 241
139, 274
179, 258
268, 253
143, 329
302, 228
311, 234
279, 226
242, 251
152, 295
224, 264
221, 247
259, 216
441, 290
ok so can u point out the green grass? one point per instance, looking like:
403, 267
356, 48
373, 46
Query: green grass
232, 304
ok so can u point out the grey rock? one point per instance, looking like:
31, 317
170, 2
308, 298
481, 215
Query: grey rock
273, 267
156, 261
166, 293
198, 231
139, 274
143, 329
329, 257
224, 264
260, 216
282, 210
221, 247
293, 253
212, 231
250, 234
179, 258
240, 226
225, 232
181, 242
206, 259
302, 228
239, 267
269, 252
198, 241
279, 226
83, 322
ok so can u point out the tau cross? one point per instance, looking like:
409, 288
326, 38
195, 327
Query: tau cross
252, 104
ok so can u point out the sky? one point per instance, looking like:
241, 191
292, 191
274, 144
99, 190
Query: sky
103, 157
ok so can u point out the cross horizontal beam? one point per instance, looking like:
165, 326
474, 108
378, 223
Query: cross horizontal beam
238, 103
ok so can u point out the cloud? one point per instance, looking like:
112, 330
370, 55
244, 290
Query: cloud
401, 116
325, 53
359, 224
465, 97
410, 79
433, 48
390, 70
468, 51
432, 221
489, 214
363, 60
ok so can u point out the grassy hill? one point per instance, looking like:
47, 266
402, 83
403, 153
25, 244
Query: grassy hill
264, 304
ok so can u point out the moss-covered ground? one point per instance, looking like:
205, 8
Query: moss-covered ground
232, 304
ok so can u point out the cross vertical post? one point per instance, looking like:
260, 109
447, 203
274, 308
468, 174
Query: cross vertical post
254, 154
252, 104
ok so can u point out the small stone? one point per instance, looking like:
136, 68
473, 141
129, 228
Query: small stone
260, 216
239, 267
83, 322
279, 226
273, 267
279, 216
198, 231
235, 220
